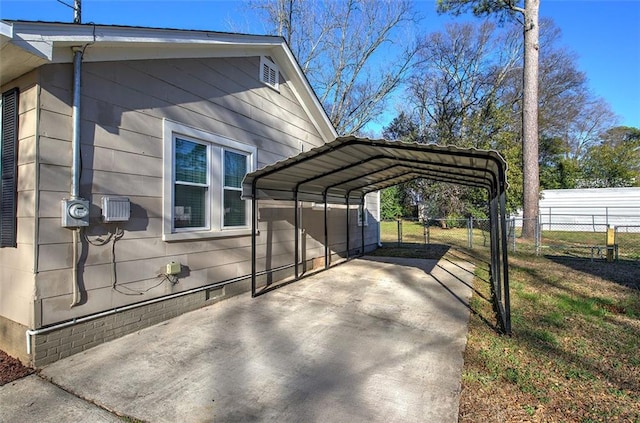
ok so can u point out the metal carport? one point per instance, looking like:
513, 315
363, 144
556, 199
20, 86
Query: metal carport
345, 170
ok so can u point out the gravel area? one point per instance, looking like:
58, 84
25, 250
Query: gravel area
11, 369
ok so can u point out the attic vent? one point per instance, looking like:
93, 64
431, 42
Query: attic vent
269, 72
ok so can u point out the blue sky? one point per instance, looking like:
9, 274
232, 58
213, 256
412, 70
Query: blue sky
605, 34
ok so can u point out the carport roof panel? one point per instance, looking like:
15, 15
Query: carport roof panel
354, 166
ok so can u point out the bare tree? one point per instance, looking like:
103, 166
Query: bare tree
527, 15
354, 52
456, 84
467, 90
455, 90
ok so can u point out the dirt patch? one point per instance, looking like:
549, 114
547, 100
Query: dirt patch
11, 369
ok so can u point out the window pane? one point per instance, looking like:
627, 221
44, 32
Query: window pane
234, 209
190, 207
235, 167
191, 162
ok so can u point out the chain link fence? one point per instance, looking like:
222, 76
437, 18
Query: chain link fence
593, 236
468, 233
628, 242
582, 239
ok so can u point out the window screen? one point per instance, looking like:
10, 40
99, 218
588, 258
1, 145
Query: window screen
191, 185
235, 168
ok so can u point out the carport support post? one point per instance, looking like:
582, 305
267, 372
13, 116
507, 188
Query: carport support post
495, 247
505, 274
254, 227
362, 222
348, 238
296, 237
326, 231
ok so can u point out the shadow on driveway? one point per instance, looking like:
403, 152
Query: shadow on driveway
372, 340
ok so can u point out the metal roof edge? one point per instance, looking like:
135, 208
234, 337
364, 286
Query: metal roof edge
495, 174
340, 141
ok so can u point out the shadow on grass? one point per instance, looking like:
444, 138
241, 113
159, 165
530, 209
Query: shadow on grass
572, 364
411, 250
622, 272
577, 327
478, 260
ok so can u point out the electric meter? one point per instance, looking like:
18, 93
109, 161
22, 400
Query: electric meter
75, 213
78, 211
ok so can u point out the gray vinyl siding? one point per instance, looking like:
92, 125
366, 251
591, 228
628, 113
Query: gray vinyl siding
17, 264
123, 105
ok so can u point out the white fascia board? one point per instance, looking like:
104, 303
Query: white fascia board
6, 30
54, 42
35, 45
87, 33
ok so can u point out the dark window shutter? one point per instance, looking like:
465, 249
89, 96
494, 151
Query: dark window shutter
9, 156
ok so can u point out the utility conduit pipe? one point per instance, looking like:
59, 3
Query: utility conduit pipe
31, 332
75, 168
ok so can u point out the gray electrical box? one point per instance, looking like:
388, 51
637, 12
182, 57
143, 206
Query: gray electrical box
75, 213
115, 209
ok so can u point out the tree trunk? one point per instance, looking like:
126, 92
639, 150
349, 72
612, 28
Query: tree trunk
530, 171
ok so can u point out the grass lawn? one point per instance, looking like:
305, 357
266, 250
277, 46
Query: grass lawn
574, 355
568, 243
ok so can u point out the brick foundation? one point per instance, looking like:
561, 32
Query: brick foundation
49, 347
57, 344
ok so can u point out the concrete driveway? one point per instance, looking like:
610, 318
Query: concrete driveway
372, 340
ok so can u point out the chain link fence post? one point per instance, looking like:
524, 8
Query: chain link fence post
538, 235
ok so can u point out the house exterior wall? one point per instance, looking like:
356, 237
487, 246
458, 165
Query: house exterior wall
123, 106
17, 264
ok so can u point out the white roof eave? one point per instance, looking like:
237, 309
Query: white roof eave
6, 31
53, 42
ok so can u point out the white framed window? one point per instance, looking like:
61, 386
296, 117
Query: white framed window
235, 209
269, 72
202, 184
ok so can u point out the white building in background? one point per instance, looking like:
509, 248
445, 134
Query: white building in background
590, 209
